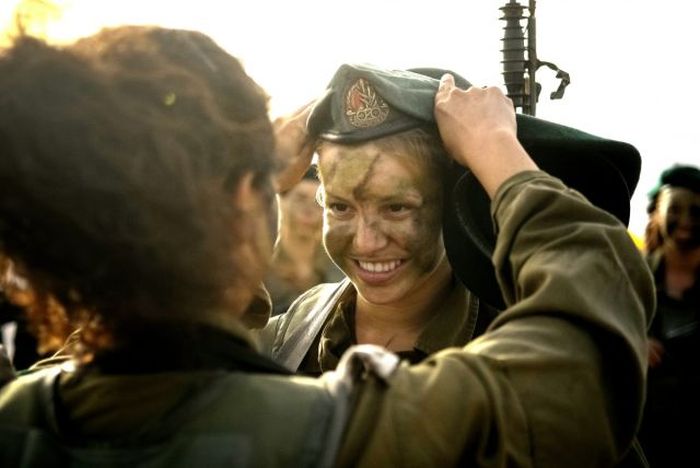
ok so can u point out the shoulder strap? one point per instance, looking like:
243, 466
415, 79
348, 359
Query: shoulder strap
297, 343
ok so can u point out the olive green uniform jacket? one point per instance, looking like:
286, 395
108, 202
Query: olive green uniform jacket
557, 381
289, 338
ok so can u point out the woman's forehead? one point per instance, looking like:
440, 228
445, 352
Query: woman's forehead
367, 156
670, 192
368, 173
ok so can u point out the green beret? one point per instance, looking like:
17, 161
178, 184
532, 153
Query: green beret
364, 102
678, 176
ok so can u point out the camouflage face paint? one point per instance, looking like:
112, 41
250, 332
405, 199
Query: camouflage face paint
679, 217
382, 219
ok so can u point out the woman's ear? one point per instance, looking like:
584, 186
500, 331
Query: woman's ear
255, 220
252, 248
249, 207
245, 195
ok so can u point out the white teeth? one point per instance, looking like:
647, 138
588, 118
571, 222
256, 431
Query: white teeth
379, 267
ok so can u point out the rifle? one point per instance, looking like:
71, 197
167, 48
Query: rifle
519, 71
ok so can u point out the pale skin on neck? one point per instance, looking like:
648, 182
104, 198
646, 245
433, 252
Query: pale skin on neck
398, 325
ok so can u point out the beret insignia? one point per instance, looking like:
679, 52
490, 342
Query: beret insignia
363, 106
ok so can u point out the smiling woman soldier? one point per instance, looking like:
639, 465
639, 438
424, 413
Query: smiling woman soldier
383, 194
388, 190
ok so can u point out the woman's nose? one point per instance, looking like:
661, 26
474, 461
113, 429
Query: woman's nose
369, 237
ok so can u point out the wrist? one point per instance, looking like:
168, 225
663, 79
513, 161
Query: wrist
500, 157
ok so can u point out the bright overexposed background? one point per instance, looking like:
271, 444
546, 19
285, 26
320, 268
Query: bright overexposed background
631, 62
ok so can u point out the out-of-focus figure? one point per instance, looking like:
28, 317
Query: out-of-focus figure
299, 261
670, 429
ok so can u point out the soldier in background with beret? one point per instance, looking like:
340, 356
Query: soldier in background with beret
672, 243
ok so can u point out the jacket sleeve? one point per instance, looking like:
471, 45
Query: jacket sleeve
558, 378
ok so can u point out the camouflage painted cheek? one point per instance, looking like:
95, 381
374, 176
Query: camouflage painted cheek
337, 239
426, 240
431, 211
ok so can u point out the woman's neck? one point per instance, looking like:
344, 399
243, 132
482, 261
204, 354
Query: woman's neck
687, 259
398, 325
681, 269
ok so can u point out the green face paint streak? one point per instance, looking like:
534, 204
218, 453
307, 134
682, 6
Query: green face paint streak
360, 191
424, 235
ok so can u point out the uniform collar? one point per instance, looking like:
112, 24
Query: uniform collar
453, 326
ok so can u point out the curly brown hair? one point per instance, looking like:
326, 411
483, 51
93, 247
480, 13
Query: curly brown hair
119, 156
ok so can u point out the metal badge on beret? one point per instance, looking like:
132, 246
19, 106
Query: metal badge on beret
363, 106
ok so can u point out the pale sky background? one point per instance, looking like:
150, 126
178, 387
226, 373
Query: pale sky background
633, 76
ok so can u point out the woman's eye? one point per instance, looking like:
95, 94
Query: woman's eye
396, 208
339, 208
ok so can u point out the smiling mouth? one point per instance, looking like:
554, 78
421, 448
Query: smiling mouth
379, 267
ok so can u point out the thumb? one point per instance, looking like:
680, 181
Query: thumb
447, 82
